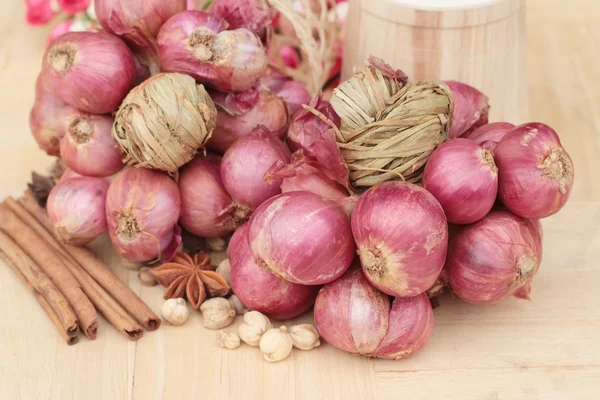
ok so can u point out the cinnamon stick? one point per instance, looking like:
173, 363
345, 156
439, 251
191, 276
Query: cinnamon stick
52, 265
100, 272
106, 305
46, 293
70, 340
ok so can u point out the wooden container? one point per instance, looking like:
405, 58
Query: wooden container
480, 42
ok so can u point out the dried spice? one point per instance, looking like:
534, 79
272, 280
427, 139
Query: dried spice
389, 127
193, 278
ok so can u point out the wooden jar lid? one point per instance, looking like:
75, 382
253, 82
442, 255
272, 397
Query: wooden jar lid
441, 13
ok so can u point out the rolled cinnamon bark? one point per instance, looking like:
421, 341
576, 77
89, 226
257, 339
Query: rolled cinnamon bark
106, 305
45, 257
100, 272
46, 293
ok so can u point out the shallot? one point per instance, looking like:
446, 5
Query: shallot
305, 126
355, 317
463, 178
92, 71
142, 208
488, 136
302, 238
196, 43
494, 258
76, 209
310, 179
402, 236
535, 173
240, 113
259, 289
48, 118
244, 166
254, 15
291, 91
207, 209
88, 146
137, 21
470, 108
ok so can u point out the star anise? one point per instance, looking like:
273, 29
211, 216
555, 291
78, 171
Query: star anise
191, 277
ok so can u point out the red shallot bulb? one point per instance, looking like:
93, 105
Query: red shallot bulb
355, 317
470, 108
494, 258
260, 290
207, 209
245, 164
239, 114
142, 209
402, 237
305, 127
137, 21
68, 173
48, 118
488, 136
88, 146
463, 178
310, 179
76, 209
197, 44
302, 238
535, 173
291, 91
92, 71
254, 15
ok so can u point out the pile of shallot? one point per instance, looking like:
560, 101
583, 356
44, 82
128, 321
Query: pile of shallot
268, 171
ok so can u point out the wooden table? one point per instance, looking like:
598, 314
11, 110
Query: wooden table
548, 348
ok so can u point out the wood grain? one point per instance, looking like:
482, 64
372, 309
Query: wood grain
544, 349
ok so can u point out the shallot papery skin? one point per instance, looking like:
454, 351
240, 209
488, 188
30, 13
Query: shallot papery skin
291, 91
245, 164
92, 71
305, 126
494, 258
240, 113
302, 238
353, 316
142, 209
76, 209
89, 148
137, 21
535, 173
207, 209
463, 178
48, 118
254, 15
196, 43
308, 178
260, 290
402, 236
470, 108
488, 136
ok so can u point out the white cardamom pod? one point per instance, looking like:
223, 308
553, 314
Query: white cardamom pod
254, 326
305, 336
276, 344
217, 313
224, 270
175, 311
228, 340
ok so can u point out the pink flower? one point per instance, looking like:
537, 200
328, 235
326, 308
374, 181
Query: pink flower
59, 29
74, 6
39, 12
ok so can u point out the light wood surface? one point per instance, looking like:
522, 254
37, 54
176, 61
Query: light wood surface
484, 46
548, 348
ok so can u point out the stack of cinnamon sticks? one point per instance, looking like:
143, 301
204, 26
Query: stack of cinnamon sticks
70, 283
